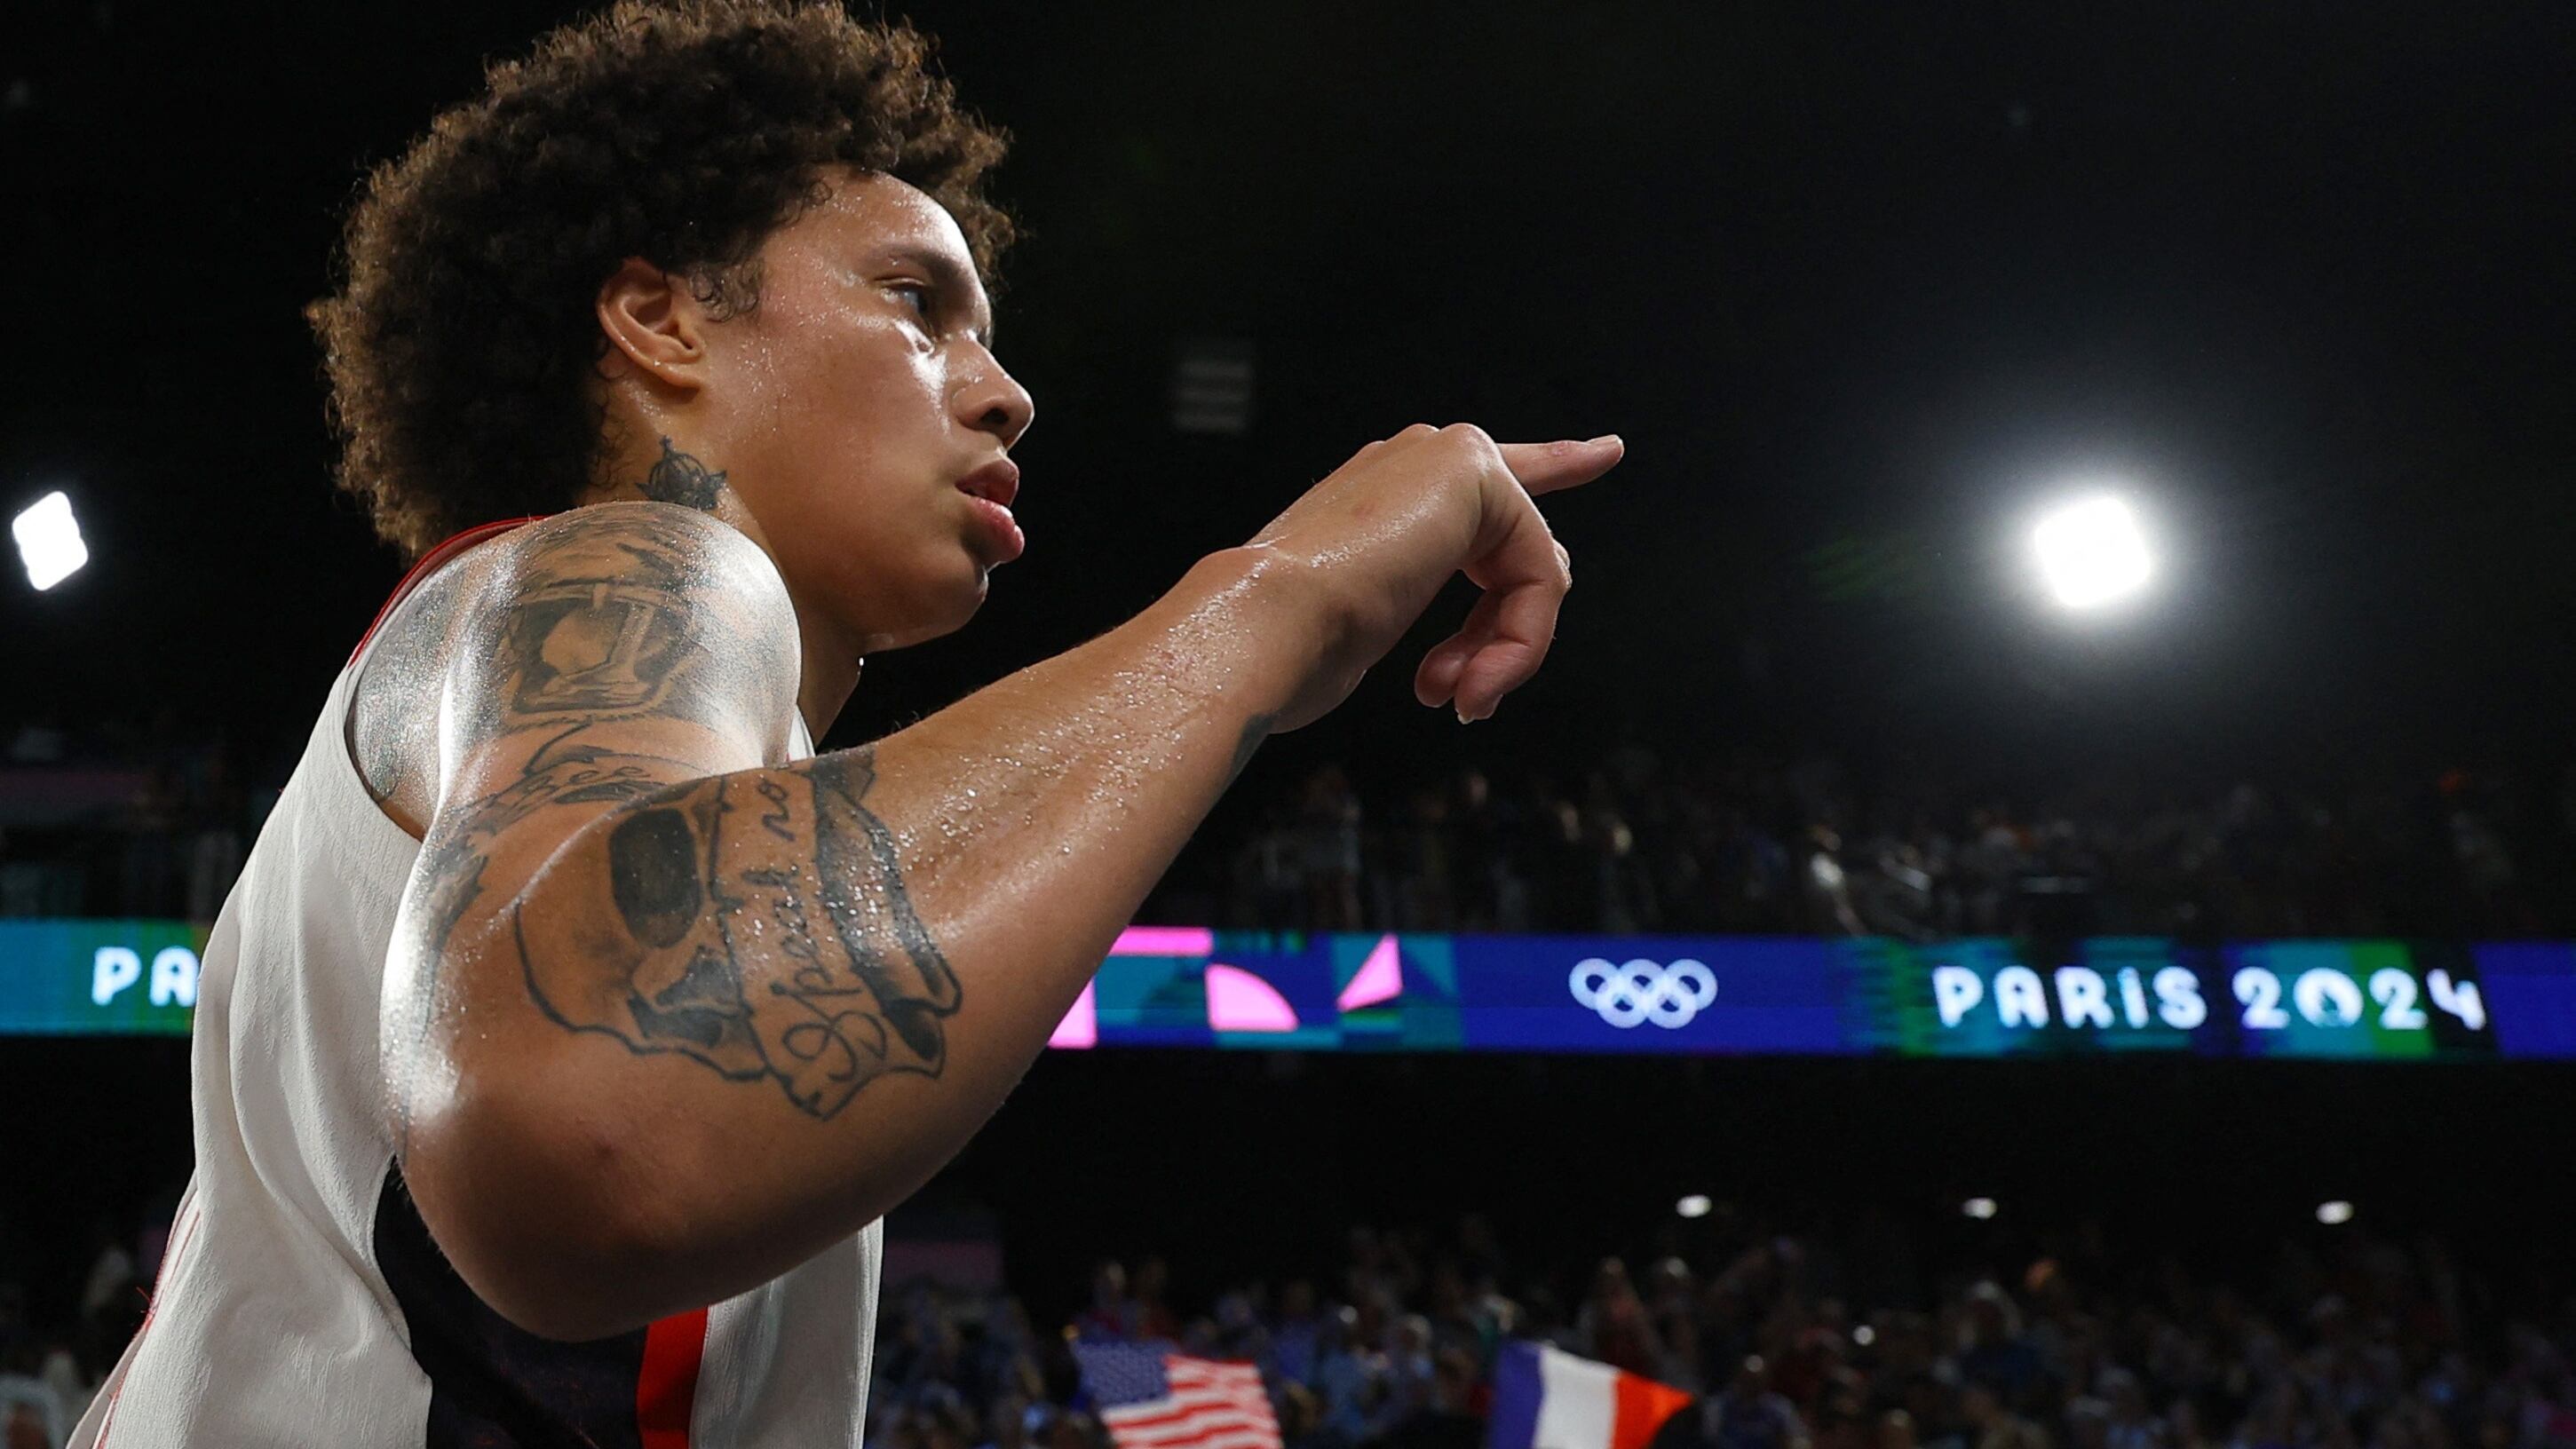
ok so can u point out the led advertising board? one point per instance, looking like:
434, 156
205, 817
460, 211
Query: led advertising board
1169, 986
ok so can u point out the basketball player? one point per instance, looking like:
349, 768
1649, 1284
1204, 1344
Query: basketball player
573, 1023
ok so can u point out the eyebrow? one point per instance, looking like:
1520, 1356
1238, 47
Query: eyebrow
956, 281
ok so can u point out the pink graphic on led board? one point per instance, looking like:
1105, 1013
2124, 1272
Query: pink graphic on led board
1165, 941
1381, 978
1081, 1026
1240, 1001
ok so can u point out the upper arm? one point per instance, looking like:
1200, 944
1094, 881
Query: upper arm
602, 656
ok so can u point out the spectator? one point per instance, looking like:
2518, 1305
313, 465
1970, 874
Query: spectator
1996, 1355
2130, 1424
33, 1414
1153, 1314
1112, 1316
1353, 1383
1329, 819
1993, 1425
1750, 1416
1410, 1386
111, 1273
1296, 1343
1614, 1327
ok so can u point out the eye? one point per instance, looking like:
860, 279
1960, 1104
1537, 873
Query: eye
920, 293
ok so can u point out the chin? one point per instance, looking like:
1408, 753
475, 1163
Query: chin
957, 602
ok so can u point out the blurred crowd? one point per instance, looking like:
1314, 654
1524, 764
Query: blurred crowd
148, 820
152, 821
1879, 1331
1847, 1340
52, 1363
1739, 842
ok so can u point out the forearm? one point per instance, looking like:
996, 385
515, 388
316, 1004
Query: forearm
825, 977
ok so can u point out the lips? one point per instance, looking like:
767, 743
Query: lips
992, 487
997, 482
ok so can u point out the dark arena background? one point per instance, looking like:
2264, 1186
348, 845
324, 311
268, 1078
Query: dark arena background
2035, 895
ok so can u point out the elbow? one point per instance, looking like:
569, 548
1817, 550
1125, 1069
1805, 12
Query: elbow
542, 1218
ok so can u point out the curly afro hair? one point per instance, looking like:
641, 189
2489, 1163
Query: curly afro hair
462, 346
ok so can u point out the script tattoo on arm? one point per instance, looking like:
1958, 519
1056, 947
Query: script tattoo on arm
756, 922
767, 932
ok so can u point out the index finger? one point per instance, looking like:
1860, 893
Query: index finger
1547, 467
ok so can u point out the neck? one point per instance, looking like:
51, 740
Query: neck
831, 672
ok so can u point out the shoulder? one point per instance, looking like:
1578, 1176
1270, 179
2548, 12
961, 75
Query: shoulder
622, 609
612, 610
658, 556
660, 547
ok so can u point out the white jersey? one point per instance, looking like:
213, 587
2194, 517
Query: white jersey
302, 1302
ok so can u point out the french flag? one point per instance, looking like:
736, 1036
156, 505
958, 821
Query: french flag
1546, 1398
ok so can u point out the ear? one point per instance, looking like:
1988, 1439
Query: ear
653, 324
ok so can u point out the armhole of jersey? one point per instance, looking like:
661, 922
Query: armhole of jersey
184, 1228
430, 563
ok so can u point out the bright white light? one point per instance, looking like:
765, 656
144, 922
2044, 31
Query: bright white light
2334, 1213
49, 540
1978, 1207
2091, 552
1694, 1206
1864, 1335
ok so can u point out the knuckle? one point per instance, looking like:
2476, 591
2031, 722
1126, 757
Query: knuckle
1417, 430
1474, 444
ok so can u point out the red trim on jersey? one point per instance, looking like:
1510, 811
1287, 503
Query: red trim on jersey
429, 563
107, 1420
666, 1387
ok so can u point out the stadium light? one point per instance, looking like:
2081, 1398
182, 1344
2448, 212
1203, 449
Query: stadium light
1694, 1206
1980, 1208
1864, 1335
2335, 1213
2091, 552
49, 541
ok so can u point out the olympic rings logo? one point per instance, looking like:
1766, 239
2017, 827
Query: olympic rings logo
1643, 991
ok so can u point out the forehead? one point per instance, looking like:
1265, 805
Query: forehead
867, 212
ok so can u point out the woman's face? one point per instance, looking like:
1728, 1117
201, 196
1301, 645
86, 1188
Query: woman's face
858, 396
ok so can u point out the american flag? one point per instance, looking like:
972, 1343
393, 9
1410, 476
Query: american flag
1153, 1398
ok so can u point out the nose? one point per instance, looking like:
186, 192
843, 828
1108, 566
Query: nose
992, 401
